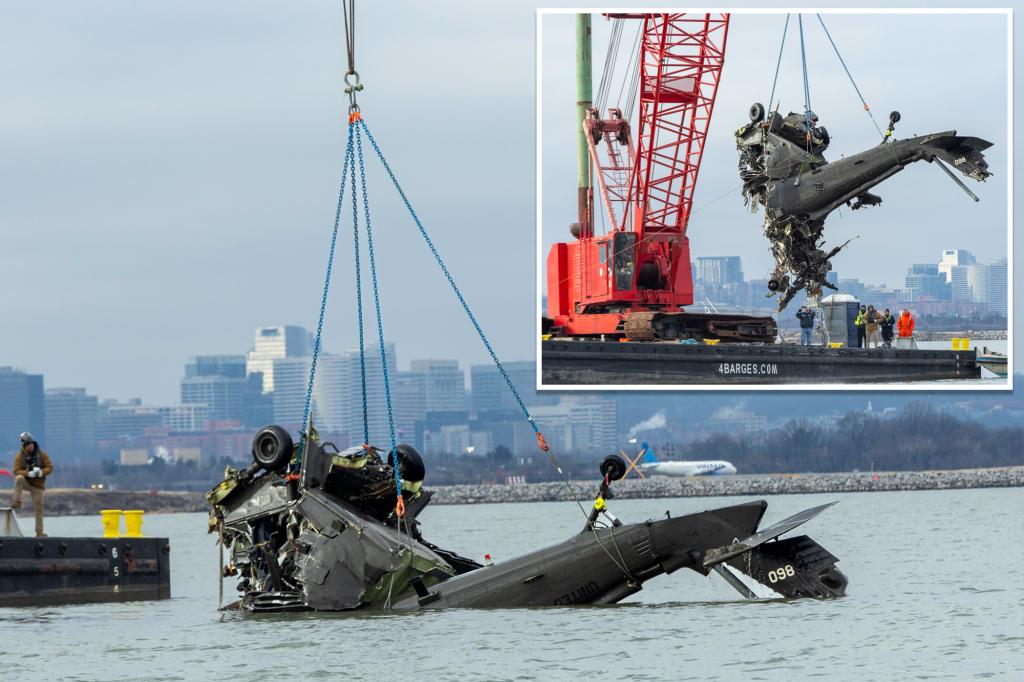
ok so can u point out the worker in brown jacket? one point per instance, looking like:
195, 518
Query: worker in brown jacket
31, 467
871, 321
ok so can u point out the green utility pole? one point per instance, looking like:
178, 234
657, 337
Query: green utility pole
584, 95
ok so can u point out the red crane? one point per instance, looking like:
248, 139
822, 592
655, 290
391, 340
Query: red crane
633, 281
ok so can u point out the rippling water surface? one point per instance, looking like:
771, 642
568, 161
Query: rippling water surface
935, 593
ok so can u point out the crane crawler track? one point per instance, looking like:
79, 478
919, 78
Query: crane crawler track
659, 326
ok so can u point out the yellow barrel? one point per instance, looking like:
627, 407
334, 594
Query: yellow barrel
956, 343
111, 522
133, 523
965, 344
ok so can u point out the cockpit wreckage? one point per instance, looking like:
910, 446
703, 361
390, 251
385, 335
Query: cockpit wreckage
328, 539
783, 168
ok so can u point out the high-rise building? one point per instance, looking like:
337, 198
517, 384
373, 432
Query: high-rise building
970, 283
71, 416
998, 287
337, 402
271, 343
925, 282
444, 385
291, 377
126, 420
584, 425
951, 258
490, 394
21, 406
719, 270
407, 395
185, 418
595, 426
220, 383
853, 287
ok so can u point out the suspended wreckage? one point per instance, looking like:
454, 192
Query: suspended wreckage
329, 539
783, 168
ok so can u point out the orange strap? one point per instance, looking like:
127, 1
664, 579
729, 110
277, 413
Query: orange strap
541, 443
400, 507
354, 116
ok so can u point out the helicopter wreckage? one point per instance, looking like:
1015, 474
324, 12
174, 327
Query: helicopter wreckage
329, 537
783, 169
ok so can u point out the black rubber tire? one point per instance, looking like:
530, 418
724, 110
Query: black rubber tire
894, 117
614, 467
756, 112
272, 448
410, 463
823, 134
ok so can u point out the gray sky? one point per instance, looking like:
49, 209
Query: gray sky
169, 173
902, 62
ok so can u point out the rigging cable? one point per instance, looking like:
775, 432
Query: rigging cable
608, 73
359, 295
541, 442
807, 87
778, 65
380, 323
630, 76
850, 76
306, 412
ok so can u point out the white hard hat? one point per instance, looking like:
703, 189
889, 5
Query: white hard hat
26, 437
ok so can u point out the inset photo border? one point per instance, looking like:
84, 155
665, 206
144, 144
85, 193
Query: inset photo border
751, 199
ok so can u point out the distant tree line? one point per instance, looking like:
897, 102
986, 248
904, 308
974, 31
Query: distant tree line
918, 437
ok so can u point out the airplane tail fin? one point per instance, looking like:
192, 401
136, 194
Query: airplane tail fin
649, 456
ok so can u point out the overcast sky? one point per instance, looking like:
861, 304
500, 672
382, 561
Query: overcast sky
169, 171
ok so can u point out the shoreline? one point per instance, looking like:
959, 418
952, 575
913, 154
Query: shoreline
739, 485
80, 502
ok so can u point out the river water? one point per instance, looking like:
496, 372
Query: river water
935, 593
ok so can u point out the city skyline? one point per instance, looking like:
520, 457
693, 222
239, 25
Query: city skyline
956, 279
252, 352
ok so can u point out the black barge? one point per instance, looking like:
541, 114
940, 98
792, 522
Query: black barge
52, 570
574, 362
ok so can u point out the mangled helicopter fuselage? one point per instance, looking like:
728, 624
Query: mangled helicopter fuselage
783, 169
328, 539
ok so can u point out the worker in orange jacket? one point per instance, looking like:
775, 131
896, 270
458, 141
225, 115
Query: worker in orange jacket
905, 325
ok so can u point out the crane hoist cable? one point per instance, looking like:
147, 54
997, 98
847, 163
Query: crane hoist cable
807, 85
806, 82
849, 75
778, 65
357, 127
608, 72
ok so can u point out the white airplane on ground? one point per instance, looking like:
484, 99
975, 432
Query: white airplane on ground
651, 465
